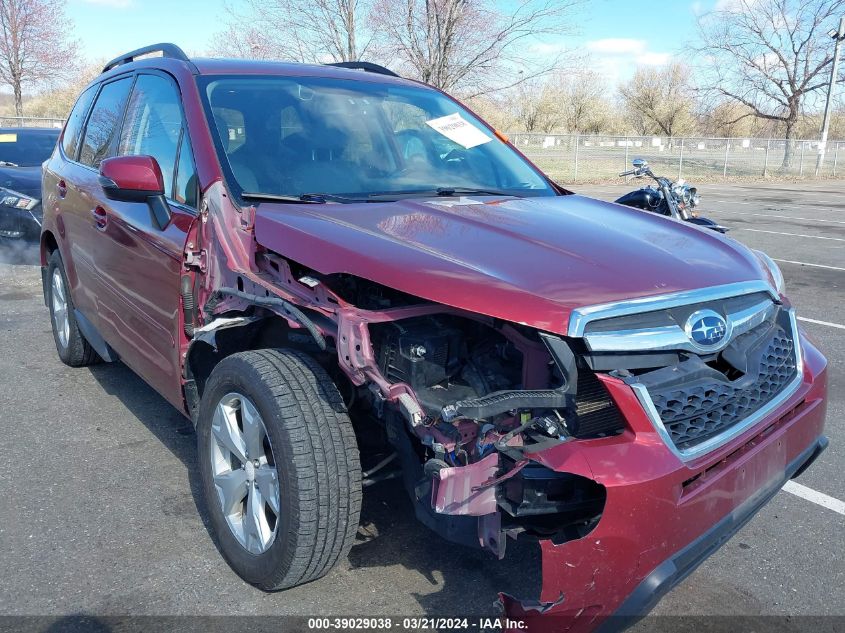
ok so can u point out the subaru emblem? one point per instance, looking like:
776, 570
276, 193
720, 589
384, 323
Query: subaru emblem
707, 330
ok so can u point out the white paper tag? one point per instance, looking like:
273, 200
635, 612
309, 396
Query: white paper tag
452, 202
457, 129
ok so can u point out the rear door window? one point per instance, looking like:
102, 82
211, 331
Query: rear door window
104, 122
73, 128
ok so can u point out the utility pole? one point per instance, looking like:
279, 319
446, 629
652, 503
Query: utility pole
838, 36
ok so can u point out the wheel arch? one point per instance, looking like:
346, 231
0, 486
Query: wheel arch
48, 244
254, 332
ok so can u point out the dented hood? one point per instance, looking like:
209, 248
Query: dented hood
525, 260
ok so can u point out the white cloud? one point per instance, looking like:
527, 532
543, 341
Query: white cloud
114, 4
616, 59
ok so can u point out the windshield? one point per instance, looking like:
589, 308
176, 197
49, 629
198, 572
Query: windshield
26, 148
293, 136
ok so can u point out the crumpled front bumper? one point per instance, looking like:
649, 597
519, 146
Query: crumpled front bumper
663, 517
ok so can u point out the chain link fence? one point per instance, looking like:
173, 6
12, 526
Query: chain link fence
580, 158
31, 121
571, 158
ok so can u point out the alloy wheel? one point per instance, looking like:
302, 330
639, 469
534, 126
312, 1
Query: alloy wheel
244, 472
59, 306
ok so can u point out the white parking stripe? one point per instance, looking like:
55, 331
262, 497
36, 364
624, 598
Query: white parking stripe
819, 498
792, 261
772, 215
827, 323
814, 237
791, 217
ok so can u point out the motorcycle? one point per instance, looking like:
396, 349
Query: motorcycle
675, 199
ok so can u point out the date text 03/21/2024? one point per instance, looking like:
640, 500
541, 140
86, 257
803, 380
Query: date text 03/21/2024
415, 624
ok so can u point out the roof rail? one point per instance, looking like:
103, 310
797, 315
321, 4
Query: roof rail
367, 66
166, 50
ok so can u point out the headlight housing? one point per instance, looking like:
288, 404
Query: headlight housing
16, 199
774, 271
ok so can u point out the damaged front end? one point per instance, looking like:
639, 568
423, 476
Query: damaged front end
468, 402
609, 440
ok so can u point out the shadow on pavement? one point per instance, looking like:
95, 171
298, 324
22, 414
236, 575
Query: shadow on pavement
464, 581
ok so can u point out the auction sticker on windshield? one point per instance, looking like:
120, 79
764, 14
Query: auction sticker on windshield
457, 129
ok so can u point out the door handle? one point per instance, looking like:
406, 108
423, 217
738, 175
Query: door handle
101, 218
61, 187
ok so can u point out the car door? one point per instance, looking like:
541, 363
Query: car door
141, 263
71, 187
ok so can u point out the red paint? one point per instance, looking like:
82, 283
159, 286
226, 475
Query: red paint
528, 260
649, 516
135, 173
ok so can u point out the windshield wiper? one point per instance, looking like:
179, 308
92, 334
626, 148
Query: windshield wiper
273, 197
451, 191
307, 198
444, 192
5, 163
331, 197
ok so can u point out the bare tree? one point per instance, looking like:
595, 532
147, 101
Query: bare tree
57, 102
662, 98
300, 30
538, 106
33, 44
769, 55
471, 46
584, 107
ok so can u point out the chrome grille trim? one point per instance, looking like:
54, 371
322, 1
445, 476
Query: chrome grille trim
579, 317
734, 431
673, 337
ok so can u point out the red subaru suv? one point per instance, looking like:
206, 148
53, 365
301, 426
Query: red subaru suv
308, 258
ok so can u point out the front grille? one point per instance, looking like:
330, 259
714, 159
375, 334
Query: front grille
710, 404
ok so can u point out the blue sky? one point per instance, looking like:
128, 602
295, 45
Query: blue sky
617, 34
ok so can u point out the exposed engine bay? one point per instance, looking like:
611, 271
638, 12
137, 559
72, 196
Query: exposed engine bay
464, 401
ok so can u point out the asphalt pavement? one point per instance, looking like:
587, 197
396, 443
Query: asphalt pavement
101, 513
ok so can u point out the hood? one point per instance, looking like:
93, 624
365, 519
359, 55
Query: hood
525, 260
23, 179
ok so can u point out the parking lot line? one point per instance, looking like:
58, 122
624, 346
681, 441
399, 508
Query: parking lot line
792, 217
792, 261
827, 323
819, 498
814, 237
772, 215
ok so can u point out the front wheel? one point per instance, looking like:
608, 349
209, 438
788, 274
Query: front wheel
279, 466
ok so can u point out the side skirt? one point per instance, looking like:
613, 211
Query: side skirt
93, 337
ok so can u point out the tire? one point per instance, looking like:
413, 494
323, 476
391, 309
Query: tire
71, 345
310, 444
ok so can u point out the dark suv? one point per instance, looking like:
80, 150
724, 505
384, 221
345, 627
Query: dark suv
305, 259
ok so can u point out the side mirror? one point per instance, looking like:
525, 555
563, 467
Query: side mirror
136, 179
639, 163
